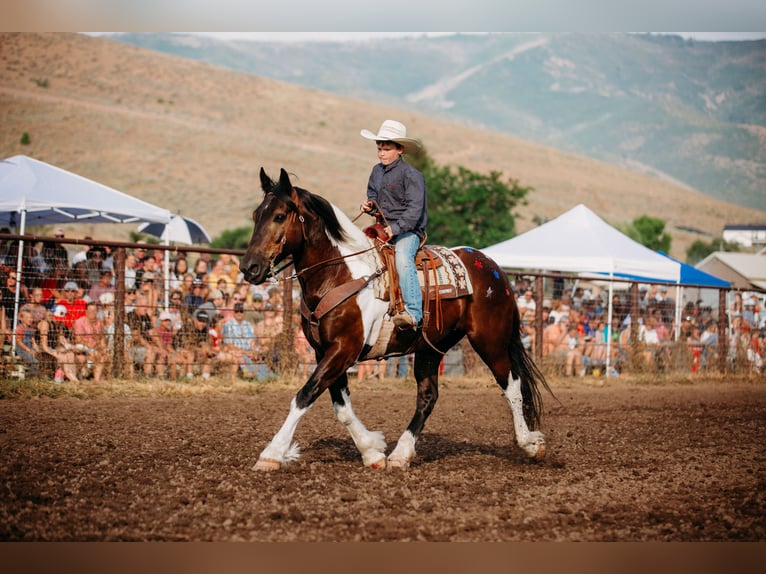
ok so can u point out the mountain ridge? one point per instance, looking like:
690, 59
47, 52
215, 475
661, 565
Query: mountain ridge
683, 107
192, 137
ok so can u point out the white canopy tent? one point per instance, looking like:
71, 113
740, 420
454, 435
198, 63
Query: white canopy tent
580, 241
33, 192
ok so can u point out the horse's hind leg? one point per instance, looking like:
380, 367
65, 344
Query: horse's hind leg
499, 362
371, 444
427, 376
531, 442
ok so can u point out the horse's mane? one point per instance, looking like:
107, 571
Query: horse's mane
337, 224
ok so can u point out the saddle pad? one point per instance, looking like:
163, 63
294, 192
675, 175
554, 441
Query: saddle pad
451, 281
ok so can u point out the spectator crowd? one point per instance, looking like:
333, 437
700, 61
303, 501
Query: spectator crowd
211, 321
214, 322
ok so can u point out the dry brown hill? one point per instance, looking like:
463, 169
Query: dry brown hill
191, 137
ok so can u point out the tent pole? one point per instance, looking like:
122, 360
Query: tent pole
166, 241
17, 294
679, 291
609, 326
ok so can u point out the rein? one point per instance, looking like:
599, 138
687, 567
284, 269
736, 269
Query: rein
273, 271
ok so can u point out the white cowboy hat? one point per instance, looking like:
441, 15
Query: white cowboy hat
391, 130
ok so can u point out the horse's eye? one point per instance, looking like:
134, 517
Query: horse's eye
279, 218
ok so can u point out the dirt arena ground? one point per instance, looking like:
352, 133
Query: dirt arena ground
626, 462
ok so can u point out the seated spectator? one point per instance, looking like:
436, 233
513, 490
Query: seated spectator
527, 306
104, 285
143, 350
56, 344
215, 304
218, 273
560, 343
74, 304
241, 345
193, 300
35, 305
26, 344
109, 333
90, 345
650, 339
162, 336
198, 341
146, 294
178, 272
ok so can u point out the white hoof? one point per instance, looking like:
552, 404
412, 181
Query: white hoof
398, 463
535, 446
267, 465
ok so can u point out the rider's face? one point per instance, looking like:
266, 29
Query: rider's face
388, 152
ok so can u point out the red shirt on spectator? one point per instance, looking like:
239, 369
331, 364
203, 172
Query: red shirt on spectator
74, 311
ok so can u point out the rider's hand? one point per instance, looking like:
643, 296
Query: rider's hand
366, 206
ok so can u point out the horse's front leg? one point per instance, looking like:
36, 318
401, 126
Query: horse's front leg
427, 376
371, 444
282, 449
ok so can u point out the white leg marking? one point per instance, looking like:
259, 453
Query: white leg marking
529, 441
404, 451
371, 444
281, 448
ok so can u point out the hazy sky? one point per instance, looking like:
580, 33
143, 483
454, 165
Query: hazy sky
386, 15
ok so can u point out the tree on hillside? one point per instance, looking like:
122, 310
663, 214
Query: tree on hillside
700, 249
649, 232
466, 207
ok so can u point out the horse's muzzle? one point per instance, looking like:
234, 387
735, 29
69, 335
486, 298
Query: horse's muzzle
254, 272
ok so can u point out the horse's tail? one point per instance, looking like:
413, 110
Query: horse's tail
524, 367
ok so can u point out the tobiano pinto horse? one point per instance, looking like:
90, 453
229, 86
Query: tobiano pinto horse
334, 259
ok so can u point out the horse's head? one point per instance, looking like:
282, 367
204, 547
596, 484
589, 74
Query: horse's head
287, 218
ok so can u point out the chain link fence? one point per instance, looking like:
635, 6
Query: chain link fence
191, 315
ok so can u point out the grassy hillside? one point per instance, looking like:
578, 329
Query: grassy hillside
191, 137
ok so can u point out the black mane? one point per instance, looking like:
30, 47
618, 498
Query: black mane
322, 208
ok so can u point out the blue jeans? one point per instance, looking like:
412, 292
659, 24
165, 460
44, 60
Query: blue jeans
405, 247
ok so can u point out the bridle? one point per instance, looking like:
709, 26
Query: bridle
288, 260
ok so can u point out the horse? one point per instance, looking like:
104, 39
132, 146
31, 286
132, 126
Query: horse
336, 263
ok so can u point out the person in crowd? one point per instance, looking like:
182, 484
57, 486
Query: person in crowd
56, 345
162, 335
558, 341
130, 270
26, 343
176, 309
754, 351
147, 295
143, 351
231, 266
186, 286
217, 274
241, 345
199, 343
193, 300
90, 344
215, 304
179, 271
748, 313
201, 269
82, 255
105, 285
649, 339
74, 304
371, 369
398, 191
109, 333
35, 304
527, 306
59, 256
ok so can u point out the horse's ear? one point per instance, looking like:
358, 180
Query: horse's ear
266, 182
284, 181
